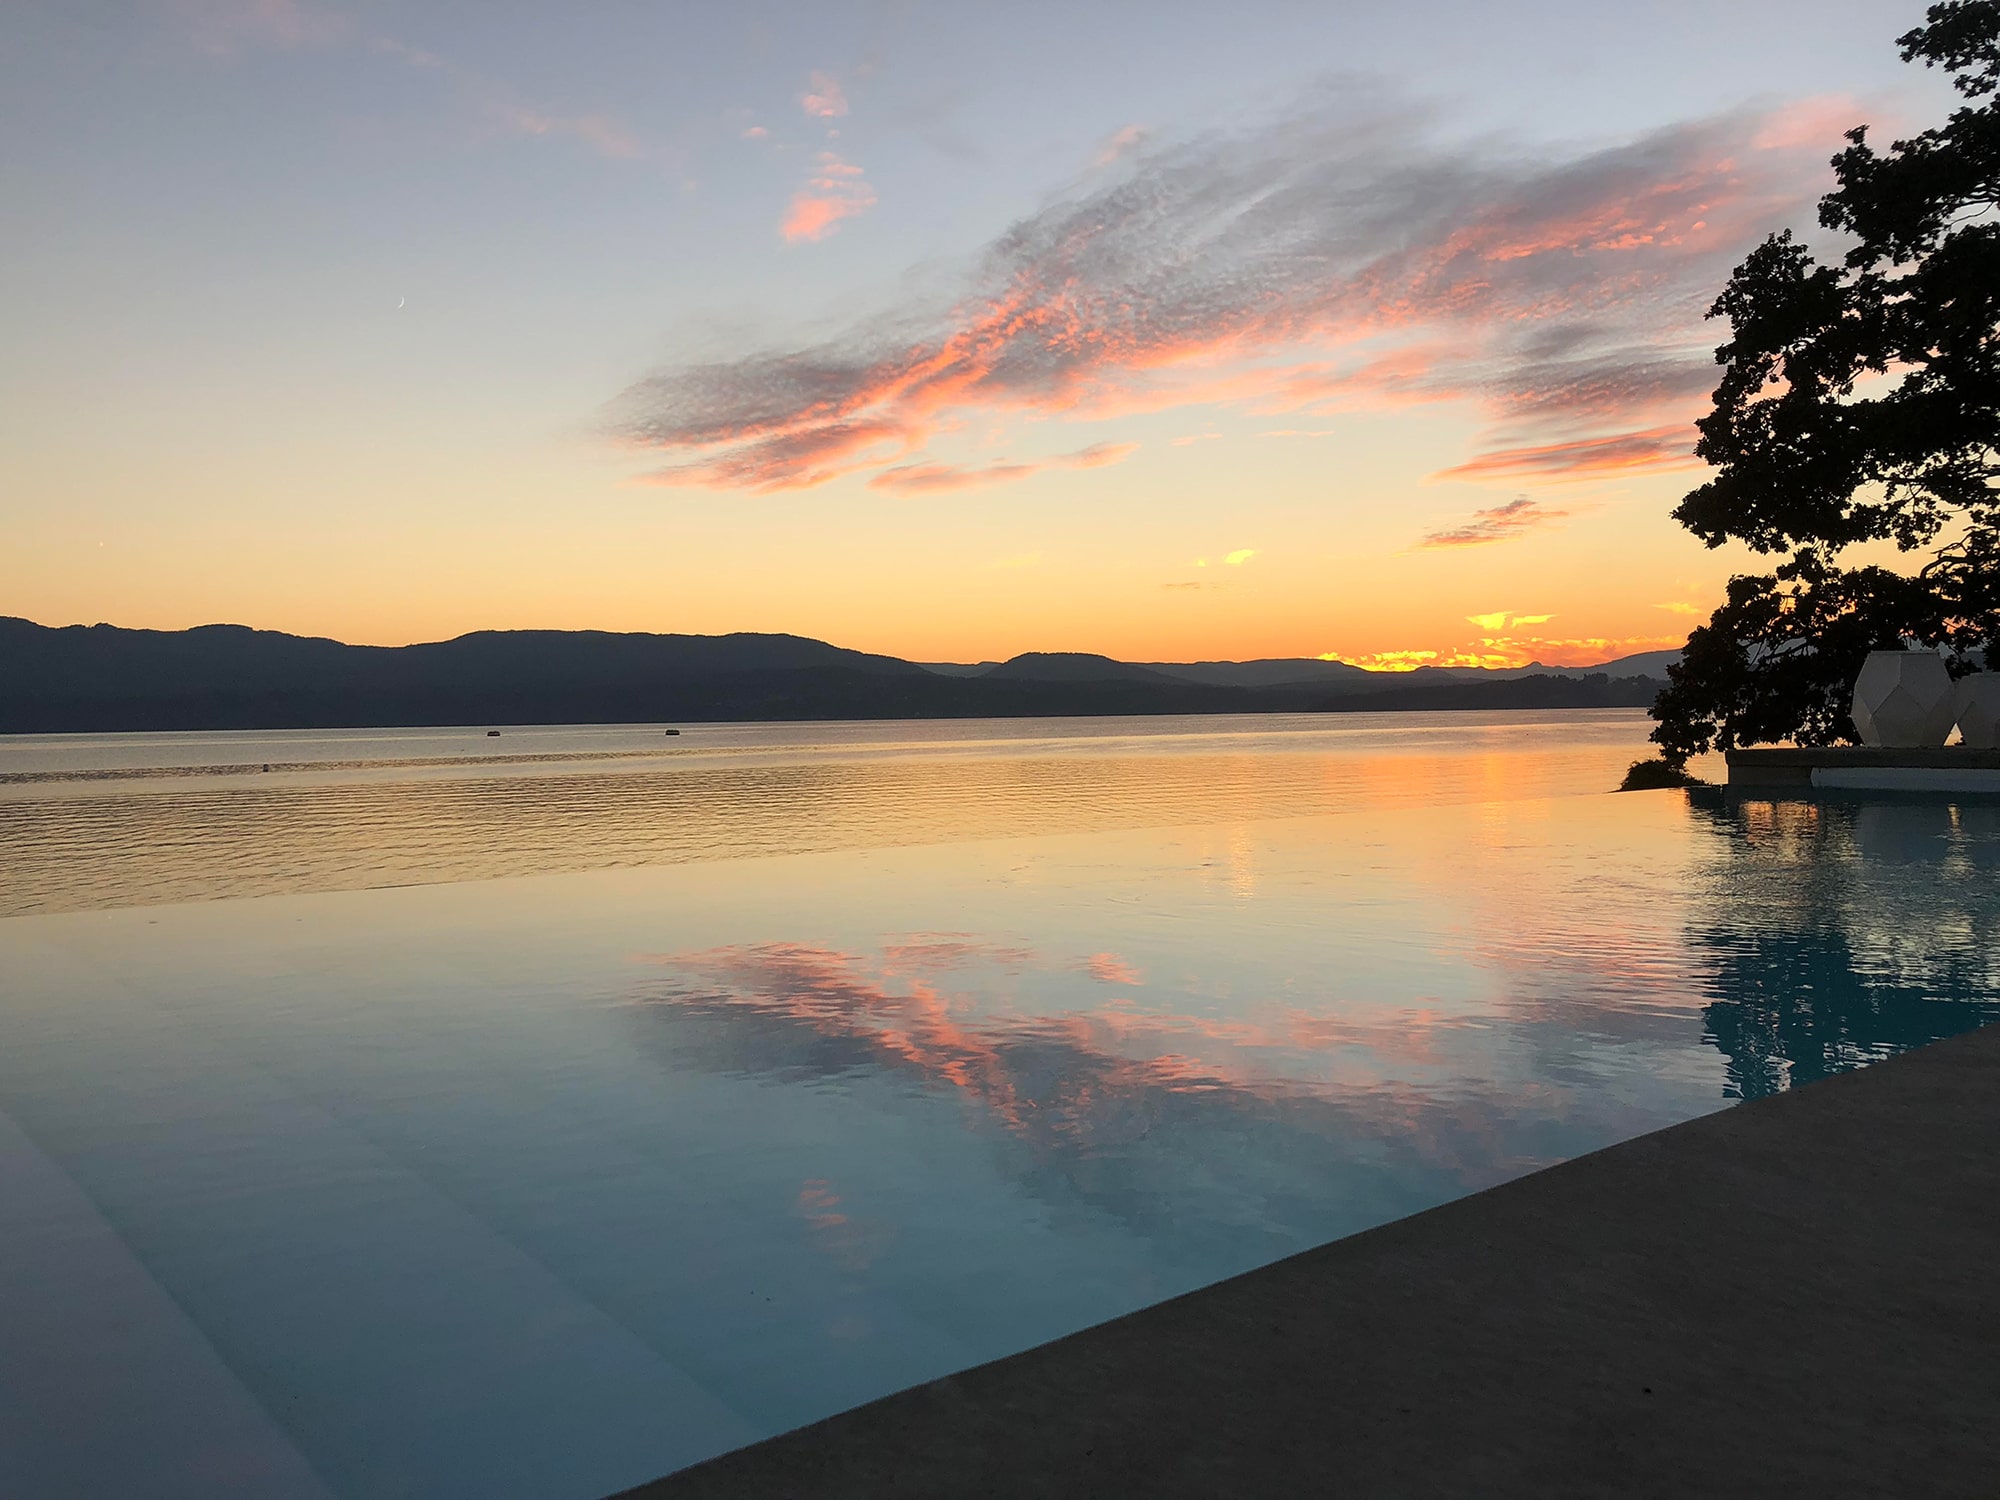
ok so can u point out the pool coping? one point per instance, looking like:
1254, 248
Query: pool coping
1863, 768
1800, 1294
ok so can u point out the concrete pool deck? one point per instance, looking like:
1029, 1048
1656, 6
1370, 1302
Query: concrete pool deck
1799, 1295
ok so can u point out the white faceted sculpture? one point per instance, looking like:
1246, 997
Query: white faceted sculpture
1979, 710
1903, 700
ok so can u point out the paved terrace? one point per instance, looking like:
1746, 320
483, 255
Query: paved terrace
1798, 1296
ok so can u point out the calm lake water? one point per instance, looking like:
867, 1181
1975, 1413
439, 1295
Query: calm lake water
406, 1120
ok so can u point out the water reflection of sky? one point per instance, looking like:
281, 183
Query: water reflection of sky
542, 1186
97, 821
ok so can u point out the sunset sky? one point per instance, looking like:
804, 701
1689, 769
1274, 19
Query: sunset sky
1170, 331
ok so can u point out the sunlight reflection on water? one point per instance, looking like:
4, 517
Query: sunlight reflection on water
735, 790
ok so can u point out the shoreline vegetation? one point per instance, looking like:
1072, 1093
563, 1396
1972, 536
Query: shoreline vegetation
104, 679
1657, 774
1858, 407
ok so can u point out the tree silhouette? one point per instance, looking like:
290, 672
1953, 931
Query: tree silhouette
1859, 404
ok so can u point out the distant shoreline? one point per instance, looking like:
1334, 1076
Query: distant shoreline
258, 768
693, 750
1525, 694
104, 679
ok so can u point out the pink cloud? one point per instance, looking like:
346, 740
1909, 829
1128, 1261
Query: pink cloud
935, 478
1121, 143
1669, 447
1098, 455
1328, 263
1809, 123
823, 98
1502, 523
794, 460
837, 190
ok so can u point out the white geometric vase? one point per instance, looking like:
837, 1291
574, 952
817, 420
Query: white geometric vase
1978, 705
1903, 700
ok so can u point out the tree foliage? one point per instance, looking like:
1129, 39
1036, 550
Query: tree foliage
1859, 403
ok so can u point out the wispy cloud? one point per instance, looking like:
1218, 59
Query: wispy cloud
837, 190
223, 27
1337, 258
502, 112
1121, 143
600, 132
823, 99
1670, 447
1503, 522
228, 27
1239, 557
936, 478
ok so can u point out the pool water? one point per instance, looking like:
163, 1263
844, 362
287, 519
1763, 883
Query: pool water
342, 1153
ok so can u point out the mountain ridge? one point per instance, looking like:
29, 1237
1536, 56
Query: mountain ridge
1285, 671
90, 678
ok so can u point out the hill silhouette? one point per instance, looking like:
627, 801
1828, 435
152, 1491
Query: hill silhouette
1072, 666
105, 678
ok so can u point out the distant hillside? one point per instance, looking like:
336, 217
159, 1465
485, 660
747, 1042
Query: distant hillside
1271, 672
959, 668
1286, 672
101, 678
1071, 666
229, 676
1537, 690
1645, 664
96, 660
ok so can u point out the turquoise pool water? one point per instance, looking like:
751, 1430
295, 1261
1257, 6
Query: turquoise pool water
375, 1128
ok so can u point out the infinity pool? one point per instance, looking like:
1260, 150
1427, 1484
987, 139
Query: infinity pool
341, 1155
